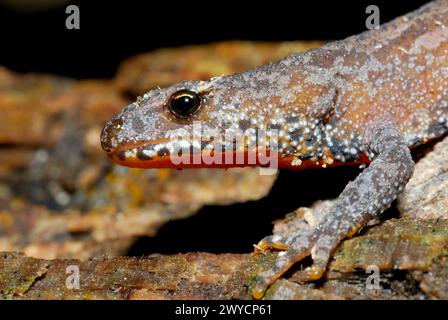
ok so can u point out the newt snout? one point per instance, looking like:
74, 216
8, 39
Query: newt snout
138, 136
129, 150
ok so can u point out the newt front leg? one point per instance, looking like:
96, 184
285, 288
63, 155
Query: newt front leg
366, 197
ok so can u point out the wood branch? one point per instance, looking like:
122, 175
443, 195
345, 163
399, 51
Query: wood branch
409, 253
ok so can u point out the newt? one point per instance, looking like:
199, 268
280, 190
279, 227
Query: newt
367, 99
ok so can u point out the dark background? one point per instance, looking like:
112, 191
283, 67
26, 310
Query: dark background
111, 31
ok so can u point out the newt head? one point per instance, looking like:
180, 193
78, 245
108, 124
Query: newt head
190, 124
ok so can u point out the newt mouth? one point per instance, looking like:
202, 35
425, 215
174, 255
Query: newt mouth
158, 154
184, 153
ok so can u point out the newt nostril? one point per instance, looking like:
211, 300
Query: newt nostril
109, 135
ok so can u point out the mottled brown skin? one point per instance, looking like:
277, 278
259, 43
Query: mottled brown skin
366, 99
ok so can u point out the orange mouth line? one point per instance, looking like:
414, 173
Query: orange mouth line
160, 162
164, 161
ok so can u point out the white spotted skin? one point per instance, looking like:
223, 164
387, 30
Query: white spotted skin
321, 101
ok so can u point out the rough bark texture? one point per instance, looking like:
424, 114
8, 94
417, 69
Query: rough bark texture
409, 254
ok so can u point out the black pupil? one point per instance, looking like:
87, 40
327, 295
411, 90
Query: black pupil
184, 103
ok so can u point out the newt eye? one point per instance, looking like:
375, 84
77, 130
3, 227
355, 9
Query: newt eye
184, 103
